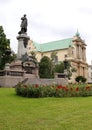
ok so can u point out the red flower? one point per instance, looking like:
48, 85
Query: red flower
77, 89
36, 85
62, 87
87, 88
65, 88
25, 85
59, 86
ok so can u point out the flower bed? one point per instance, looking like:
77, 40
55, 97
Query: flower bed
36, 91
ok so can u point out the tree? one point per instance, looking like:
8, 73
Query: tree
59, 68
53, 61
45, 67
69, 68
5, 51
65, 65
53, 56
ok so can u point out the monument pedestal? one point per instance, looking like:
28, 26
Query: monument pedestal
22, 44
23, 68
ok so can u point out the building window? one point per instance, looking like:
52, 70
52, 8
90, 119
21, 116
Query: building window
56, 59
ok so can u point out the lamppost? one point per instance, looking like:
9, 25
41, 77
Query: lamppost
65, 66
8, 53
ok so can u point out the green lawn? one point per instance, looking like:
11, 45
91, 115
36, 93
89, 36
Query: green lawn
18, 113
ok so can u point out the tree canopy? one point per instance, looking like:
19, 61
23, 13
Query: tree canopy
5, 51
45, 67
59, 68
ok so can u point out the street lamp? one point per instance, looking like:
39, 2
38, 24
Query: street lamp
65, 66
65, 62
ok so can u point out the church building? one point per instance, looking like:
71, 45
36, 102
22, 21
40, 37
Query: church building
72, 49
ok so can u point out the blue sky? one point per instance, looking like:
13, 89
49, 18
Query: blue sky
48, 20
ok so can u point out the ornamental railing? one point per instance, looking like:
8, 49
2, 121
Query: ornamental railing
11, 73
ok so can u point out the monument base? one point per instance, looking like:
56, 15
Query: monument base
15, 73
22, 44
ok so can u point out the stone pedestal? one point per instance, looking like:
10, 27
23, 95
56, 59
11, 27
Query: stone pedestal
16, 65
22, 44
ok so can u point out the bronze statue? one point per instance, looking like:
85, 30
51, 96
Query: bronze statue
23, 25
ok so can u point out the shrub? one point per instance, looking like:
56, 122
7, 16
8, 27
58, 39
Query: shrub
36, 91
80, 79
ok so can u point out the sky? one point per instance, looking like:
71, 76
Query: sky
48, 20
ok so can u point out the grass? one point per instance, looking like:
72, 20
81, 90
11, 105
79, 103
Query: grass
19, 113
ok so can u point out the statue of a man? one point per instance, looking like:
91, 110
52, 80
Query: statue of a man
23, 25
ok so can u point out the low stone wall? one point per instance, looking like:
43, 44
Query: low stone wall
12, 78
12, 81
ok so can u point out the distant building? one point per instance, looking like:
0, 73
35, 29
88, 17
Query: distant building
90, 73
74, 49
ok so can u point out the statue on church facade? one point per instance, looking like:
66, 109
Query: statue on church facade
23, 25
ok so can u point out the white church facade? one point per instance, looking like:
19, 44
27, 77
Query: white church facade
74, 49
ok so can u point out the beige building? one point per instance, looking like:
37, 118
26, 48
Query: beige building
74, 49
90, 73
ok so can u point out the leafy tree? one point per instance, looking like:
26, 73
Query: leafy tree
59, 68
65, 65
69, 68
53, 56
45, 67
53, 61
5, 51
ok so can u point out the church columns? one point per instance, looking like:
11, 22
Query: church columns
81, 52
84, 54
80, 58
82, 70
78, 51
